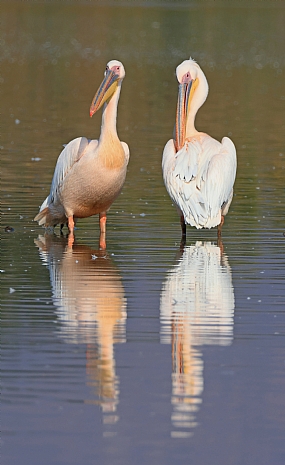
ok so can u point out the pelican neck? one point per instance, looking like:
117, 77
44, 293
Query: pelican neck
109, 116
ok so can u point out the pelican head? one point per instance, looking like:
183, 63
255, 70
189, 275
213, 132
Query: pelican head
190, 77
113, 76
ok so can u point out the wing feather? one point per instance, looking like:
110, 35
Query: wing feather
126, 150
220, 180
70, 155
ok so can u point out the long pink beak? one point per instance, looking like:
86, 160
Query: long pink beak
181, 114
101, 95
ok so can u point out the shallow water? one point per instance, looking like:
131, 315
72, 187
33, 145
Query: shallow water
149, 352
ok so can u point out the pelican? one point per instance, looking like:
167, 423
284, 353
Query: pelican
198, 171
89, 174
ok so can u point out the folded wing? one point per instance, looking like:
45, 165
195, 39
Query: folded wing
199, 178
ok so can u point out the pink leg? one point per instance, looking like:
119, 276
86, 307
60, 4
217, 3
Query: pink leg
70, 224
71, 229
183, 226
102, 223
220, 226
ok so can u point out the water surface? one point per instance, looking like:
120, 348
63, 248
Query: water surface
149, 352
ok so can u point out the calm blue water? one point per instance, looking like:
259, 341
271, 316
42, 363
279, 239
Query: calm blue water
148, 353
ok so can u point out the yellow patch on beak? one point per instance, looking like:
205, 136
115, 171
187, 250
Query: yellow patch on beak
108, 94
105, 92
192, 91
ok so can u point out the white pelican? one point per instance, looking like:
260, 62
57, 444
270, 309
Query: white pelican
198, 171
89, 174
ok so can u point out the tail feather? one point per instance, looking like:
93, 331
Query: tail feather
42, 217
50, 215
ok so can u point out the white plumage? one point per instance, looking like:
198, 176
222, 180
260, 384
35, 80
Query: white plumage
198, 171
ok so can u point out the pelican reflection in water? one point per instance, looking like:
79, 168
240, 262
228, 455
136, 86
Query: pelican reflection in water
91, 306
196, 308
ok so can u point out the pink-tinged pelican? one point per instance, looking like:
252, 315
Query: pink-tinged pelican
89, 174
198, 171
